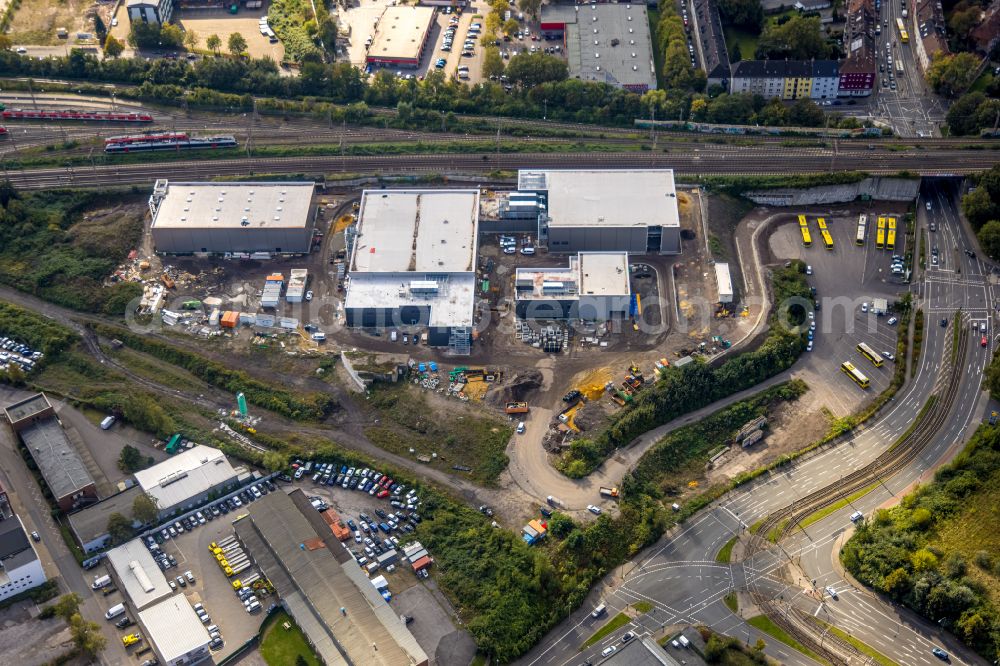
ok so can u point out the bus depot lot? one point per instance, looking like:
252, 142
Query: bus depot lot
844, 278
211, 587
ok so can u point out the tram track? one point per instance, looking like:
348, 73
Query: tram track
895, 459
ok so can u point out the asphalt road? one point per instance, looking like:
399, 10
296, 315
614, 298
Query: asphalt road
679, 575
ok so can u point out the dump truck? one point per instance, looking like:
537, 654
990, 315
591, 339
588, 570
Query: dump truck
516, 408
609, 492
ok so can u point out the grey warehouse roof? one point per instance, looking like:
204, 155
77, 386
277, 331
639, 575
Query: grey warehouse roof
144, 583
234, 205
91, 522
606, 198
174, 627
59, 462
400, 32
431, 231
185, 475
27, 407
316, 587
606, 42
604, 274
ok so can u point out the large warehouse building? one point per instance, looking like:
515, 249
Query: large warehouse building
414, 264
584, 210
345, 619
607, 42
594, 287
221, 218
401, 37
34, 421
187, 479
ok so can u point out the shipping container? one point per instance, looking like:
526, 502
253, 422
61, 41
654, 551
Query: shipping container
230, 319
174, 443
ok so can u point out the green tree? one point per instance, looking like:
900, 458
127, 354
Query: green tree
952, 74
273, 461
145, 509
119, 528
67, 606
171, 36
533, 69
214, 43
897, 583
510, 26
300, 660
131, 459
805, 113
86, 635
112, 47
924, 560
237, 44
560, 525
744, 13
530, 7
327, 34
774, 114
992, 377
799, 38
980, 207
190, 39
492, 62
989, 239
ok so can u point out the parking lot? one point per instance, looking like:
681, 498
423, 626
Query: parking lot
845, 278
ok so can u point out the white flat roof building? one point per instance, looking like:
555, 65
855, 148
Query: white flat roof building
174, 631
725, 282
631, 210
401, 231
400, 36
413, 262
595, 286
187, 478
214, 217
137, 572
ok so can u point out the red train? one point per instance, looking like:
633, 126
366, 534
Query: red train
100, 116
145, 137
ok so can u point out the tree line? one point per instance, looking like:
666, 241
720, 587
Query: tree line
936, 552
982, 208
540, 87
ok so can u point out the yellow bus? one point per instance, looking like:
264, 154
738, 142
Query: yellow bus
822, 223
890, 243
862, 223
802, 221
880, 234
856, 375
827, 239
903, 35
870, 354
806, 236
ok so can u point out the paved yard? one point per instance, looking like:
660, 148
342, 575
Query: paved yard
205, 22
212, 588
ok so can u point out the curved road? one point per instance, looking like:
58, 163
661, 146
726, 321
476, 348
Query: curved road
680, 577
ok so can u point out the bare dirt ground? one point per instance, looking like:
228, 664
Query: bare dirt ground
36, 21
206, 22
790, 427
28, 641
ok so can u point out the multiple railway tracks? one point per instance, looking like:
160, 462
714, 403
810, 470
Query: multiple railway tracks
896, 458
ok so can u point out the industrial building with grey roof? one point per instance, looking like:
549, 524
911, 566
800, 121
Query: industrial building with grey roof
137, 574
60, 464
323, 588
606, 210
186, 479
595, 286
607, 43
218, 218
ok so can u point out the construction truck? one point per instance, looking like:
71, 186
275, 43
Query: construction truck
516, 408
609, 492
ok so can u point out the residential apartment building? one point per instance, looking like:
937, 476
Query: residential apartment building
857, 70
787, 79
931, 34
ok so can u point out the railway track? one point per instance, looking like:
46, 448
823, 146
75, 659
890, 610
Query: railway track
795, 621
687, 163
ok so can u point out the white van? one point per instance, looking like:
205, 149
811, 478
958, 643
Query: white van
107, 422
520, 428
599, 611
114, 611
393, 336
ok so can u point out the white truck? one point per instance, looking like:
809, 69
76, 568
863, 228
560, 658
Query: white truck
101, 581
114, 611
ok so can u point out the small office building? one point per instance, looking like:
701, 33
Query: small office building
595, 287
175, 633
